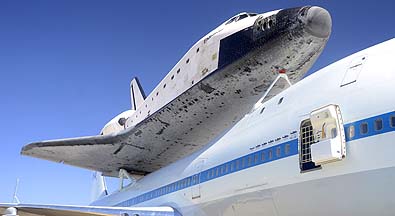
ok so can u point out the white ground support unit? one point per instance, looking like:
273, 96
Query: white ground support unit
328, 130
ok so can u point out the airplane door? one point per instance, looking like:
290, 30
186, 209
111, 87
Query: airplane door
322, 138
353, 71
195, 181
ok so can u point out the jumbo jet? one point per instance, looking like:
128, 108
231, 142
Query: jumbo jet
247, 136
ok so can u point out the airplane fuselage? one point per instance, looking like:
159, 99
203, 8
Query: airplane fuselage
255, 167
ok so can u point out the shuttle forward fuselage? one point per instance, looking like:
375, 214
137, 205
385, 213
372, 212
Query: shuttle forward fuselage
256, 168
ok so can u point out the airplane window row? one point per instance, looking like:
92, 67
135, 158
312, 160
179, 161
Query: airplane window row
257, 158
378, 125
244, 162
181, 184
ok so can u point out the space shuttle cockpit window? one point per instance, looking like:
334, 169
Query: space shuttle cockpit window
242, 16
237, 18
231, 20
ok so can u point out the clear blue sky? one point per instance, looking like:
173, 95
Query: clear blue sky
66, 65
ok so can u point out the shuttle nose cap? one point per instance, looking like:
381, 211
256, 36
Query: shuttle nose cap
318, 22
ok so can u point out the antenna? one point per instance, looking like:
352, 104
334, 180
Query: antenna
15, 198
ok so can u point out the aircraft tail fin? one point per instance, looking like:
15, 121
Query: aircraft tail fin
136, 93
15, 197
99, 188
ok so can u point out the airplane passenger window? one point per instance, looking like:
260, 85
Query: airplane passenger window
287, 148
256, 158
364, 128
351, 131
178, 71
172, 77
278, 151
263, 156
392, 121
187, 61
378, 124
249, 161
270, 154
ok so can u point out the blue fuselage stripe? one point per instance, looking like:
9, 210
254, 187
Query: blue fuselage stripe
267, 155
372, 129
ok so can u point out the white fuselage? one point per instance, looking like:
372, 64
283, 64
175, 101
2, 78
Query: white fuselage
360, 184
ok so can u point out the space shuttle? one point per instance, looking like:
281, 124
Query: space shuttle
210, 88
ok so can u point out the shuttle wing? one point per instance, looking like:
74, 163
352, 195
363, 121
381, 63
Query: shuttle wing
68, 210
180, 128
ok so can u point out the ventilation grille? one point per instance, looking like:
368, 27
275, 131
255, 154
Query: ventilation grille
307, 139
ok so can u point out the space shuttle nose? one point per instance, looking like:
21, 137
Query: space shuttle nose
317, 21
